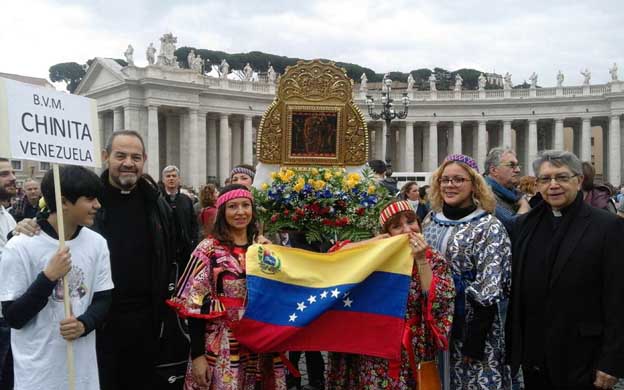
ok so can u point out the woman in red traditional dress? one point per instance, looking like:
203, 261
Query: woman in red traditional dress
211, 294
428, 317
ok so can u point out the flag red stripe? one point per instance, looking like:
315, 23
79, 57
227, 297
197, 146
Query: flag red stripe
336, 331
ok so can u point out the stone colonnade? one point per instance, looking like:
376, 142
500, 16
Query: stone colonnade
421, 146
204, 145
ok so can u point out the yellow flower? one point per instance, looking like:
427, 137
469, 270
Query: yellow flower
264, 186
354, 177
350, 183
286, 175
328, 175
338, 172
371, 189
318, 185
300, 183
273, 175
314, 171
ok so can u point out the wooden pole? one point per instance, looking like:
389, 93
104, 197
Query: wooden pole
66, 297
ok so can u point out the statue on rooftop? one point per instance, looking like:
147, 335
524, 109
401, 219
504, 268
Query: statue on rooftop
458, 82
410, 82
586, 76
271, 74
150, 53
613, 71
432, 82
129, 54
507, 81
533, 80
482, 82
363, 82
248, 72
560, 79
224, 69
166, 55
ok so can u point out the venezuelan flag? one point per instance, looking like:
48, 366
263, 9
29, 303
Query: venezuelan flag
352, 300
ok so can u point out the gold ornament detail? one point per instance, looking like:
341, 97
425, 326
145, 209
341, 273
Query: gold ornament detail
307, 95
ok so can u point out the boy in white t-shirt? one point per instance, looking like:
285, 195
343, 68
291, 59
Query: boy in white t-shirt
31, 288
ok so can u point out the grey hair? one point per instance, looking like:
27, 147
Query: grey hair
131, 133
493, 158
170, 168
559, 158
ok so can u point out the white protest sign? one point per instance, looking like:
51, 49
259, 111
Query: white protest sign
42, 124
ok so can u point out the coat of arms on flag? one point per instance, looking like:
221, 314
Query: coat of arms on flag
353, 300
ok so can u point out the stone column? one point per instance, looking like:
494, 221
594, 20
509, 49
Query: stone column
433, 146
614, 150
225, 148
456, 146
237, 140
153, 166
102, 131
558, 135
173, 139
118, 119
212, 146
482, 147
408, 151
248, 140
197, 153
131, 118
382, 141
531, 145
185, 143
586, 140
506, 138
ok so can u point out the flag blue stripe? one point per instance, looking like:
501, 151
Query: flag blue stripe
292, 305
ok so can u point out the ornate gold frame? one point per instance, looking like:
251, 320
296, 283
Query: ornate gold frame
313, 86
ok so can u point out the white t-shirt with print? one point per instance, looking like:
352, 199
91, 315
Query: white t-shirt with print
39, 350
7, 224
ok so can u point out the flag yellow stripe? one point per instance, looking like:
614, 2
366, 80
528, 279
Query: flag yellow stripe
345, 266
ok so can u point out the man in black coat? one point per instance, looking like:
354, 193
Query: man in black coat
139, 228
565, 325
184, 212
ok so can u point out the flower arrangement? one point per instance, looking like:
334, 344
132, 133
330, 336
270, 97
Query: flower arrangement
327, 204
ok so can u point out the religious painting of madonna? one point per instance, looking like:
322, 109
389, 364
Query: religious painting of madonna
314, 134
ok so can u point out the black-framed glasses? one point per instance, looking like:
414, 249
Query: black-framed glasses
511, 165
561, 178
456, 181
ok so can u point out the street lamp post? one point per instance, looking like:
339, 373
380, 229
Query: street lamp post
388, 113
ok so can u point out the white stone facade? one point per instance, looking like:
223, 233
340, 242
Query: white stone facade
206, 125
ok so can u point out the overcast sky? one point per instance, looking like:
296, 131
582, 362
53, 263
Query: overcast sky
503, 36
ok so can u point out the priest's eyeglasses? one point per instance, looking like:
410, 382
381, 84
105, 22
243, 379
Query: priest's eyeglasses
561, 178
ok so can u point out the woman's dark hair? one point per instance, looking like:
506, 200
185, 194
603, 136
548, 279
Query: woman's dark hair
406, 188
221, 230
588, 176
408, 214
76, 181
207, 195
422, 191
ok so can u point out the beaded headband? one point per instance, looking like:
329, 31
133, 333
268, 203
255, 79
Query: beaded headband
462, 158
243, 170
234, 194
392, 209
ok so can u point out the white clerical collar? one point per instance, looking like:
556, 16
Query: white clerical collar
557, 213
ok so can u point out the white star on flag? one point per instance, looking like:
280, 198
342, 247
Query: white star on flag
346, 294
301, 306
324, 295
347, 302
312, 299
292, 317
335, 293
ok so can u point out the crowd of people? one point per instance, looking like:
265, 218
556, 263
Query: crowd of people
516, 281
